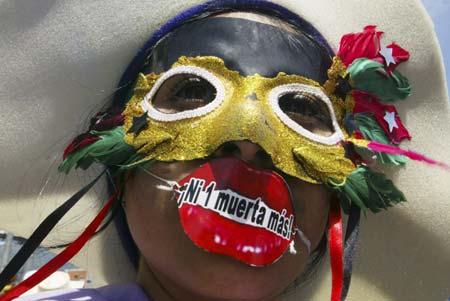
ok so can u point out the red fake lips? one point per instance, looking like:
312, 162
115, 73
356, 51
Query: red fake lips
229, 208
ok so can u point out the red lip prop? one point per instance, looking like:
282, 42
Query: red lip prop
228, 207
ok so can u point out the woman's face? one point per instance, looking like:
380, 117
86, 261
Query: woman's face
181, 266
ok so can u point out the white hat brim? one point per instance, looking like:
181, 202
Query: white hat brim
60, 59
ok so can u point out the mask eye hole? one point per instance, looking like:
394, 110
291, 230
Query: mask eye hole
183, 92
308, 111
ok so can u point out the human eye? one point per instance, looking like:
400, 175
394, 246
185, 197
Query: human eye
307, 110
184, 92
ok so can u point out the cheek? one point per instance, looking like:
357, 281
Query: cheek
152, 213
148, 211
311, 207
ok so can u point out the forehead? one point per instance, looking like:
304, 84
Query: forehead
246, 46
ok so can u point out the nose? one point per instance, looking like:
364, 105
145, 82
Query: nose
247, 151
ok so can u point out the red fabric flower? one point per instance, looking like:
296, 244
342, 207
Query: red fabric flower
368, 103
107, 123
102, 121
80, 142
399, 54
358, 45
367, 44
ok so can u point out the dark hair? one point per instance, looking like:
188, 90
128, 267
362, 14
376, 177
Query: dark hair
124, 91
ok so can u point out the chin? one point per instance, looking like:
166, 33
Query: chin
210, 276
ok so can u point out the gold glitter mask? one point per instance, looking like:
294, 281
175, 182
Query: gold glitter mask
291, 117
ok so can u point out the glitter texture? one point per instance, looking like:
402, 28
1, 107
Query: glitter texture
238, 118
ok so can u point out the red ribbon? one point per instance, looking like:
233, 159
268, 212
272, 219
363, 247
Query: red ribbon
335, 243
63, 257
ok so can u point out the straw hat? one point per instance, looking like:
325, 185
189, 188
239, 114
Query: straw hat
61, 59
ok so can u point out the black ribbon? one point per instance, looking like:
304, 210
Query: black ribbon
41, 233
350, 246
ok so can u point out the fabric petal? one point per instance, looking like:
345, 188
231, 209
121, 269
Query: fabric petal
367, 103
358, 45
399, 54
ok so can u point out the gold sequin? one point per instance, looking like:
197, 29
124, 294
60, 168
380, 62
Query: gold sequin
238, 118
324, 162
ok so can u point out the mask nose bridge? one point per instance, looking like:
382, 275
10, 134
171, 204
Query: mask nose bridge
250, 110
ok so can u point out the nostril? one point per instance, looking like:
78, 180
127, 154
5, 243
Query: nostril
230, 148
262, 160
263, 155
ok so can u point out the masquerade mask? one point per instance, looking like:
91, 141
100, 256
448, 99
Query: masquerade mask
289, 116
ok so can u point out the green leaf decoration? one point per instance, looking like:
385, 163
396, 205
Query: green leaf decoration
111, 149
368, 189
370, 76
135, 160
371, 130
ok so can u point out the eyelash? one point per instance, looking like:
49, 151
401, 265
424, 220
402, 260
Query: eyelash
317, 96
192, 113
299, 121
